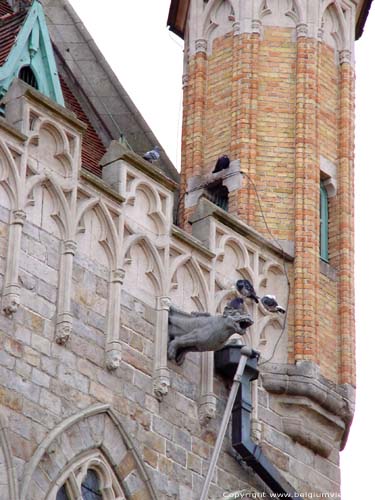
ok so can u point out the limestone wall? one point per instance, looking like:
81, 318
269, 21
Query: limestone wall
88, 270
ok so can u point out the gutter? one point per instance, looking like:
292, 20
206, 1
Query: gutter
226, 361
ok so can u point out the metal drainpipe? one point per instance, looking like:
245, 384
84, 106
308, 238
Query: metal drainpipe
226, 361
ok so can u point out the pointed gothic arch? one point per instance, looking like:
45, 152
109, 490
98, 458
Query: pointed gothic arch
242, 254
104, 436
155, 208
108, 237
209, 23
9, 176
62, 152
156, 273
341, 35
7, 468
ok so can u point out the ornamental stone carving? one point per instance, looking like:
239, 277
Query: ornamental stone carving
202, 332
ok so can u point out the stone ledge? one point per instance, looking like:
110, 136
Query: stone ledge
207, 209
7, 127
328, 271
19, 89
191, 241
117, 151
103, 186
334, 403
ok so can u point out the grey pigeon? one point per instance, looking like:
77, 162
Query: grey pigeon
246, 289
237, 303
153, 155
221, 164
270, 303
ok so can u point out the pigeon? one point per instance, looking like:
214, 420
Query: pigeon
237, 303
270, 303
246, 289
221, 164
153, 155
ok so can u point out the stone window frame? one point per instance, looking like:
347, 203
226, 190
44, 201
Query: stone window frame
75, 474
328, 189
324, 224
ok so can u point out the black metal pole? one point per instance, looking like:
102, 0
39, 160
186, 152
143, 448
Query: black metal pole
250, 452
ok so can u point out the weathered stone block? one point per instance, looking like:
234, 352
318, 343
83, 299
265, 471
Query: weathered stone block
40, 378
100, 392
50, 401
162, 427
176, 453
41, 344
71, 377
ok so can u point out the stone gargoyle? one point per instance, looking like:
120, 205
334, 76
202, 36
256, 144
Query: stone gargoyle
202, 331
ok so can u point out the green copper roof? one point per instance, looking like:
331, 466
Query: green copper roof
33, 48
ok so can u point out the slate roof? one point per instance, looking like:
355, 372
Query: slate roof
10, 25
92, 147
5, 8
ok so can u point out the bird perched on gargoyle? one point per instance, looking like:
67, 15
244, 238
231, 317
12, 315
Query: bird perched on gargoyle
153, 155
246, 289
221, 164
237, 304
270, 303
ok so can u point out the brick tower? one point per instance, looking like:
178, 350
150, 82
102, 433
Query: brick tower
271, 84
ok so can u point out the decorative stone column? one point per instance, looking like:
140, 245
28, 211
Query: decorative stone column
161, 376
113, 345
64, 316
11, 294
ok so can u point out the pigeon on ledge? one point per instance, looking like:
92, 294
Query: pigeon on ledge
270, 303
221, 164
246, 289
153, 155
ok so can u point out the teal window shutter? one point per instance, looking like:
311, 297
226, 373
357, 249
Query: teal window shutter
323, 223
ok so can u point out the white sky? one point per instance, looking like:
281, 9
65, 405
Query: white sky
148, 61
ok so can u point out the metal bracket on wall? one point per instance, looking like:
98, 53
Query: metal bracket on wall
226, 361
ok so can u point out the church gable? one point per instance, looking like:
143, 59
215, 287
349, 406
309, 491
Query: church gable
26, 52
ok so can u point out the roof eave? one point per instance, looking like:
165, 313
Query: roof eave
362, 17
177, 16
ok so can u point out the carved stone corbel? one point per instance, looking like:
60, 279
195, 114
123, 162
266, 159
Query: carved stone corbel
161, 376
345, 56
11, 294
207, 401
113, 345
302, 30
64, 319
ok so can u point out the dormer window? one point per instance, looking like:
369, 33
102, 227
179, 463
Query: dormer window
27, 75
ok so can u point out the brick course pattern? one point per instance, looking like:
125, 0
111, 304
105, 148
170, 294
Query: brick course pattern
279, 105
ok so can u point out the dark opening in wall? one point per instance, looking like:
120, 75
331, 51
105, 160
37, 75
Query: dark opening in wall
27, 75
218, 194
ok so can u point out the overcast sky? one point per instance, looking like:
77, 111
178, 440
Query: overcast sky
148, 61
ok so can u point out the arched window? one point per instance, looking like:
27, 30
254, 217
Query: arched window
89, 478
27, 75
90, 487
324, 254
62, 494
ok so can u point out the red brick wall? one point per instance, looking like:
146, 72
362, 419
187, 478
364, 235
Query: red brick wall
278, 104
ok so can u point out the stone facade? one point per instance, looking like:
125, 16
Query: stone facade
89, 267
